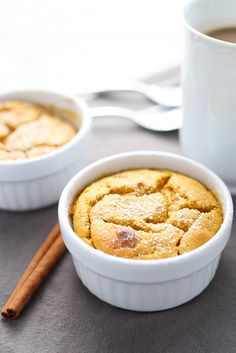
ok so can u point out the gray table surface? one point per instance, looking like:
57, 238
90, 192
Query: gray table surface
63, 317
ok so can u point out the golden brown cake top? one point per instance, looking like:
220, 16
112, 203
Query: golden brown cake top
146, 214
28, 130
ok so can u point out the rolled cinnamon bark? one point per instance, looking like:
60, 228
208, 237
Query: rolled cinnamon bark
43, 261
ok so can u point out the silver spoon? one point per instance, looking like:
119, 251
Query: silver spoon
150, 118
165, 96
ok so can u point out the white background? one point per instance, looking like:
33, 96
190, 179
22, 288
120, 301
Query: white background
73, 44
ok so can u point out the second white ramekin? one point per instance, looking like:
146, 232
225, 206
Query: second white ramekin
38, 182
145, 285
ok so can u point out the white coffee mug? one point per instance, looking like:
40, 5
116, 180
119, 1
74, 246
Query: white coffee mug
209, 85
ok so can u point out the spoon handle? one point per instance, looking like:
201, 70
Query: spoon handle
94, 92
111, 111
169, 96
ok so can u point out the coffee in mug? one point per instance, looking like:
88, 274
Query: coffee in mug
225, 34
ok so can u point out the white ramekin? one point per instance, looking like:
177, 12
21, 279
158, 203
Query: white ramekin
145, 285
38, 182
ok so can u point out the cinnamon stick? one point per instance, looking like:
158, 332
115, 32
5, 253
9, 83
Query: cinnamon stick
43, 261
